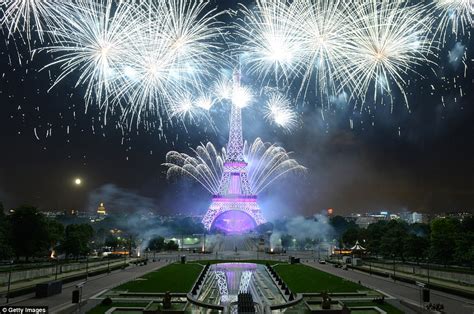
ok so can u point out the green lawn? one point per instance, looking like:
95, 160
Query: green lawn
100, 309
173, 278
390, 309
302, 278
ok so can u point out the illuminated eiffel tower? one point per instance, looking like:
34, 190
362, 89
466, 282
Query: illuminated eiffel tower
235, 208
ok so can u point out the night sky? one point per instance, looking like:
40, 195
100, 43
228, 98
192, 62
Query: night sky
412, 159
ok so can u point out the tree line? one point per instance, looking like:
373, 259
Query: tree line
27, 233
445, 240
157, 243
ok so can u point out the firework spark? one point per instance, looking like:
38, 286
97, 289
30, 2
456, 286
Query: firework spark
28, 16
389, 39
267, 163
324, 34
185, 107
279, 111
242, 96
205, 102
223, 88
270, 39
138, 57
358, 45
92, 42
455, 15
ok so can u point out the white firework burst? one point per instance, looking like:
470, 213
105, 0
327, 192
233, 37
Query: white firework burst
270, 39
324, 33
29, 16
183, 107
389, 39
455, 15
242, 96
223, 88
279, 111
205, 102
137, 56
266, 164
92, 43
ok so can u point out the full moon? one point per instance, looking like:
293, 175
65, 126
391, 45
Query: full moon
78, 181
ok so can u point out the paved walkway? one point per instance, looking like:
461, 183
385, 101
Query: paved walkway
402, 291
441, 282
64, 275
63, 302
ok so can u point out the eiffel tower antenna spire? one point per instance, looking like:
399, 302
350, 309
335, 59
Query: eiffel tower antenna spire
235, 146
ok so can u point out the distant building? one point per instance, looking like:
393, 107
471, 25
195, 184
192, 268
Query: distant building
365, 221
394, 217
101, 210
52, 213
459, 215
416, 218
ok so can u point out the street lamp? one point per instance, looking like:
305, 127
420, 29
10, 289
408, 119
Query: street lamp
9, 280
428, 269
56, 272
393, 258
87, 266
77, 181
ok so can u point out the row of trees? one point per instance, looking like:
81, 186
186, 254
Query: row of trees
158, 243
27, 233
444, 240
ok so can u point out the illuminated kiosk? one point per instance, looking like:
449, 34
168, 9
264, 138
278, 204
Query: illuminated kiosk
235, 209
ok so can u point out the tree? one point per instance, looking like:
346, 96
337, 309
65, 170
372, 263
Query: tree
6, 250
351, 236
77, 239
340, 225
171, 246
416, 247
55, 231
374, 237
444, 233
157, 243
29, 232
100, 237
393, 239
464, 251
186, 226
286, 241
112, 242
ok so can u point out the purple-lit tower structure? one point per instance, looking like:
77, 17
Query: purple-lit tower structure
235, 208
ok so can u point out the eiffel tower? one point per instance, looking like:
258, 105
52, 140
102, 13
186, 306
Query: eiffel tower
235, 208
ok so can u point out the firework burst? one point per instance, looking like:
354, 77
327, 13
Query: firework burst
93, 43
455, 15
267, 163
279, 111
270, 39
389, 39
138, 57
324, 34
28, 16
